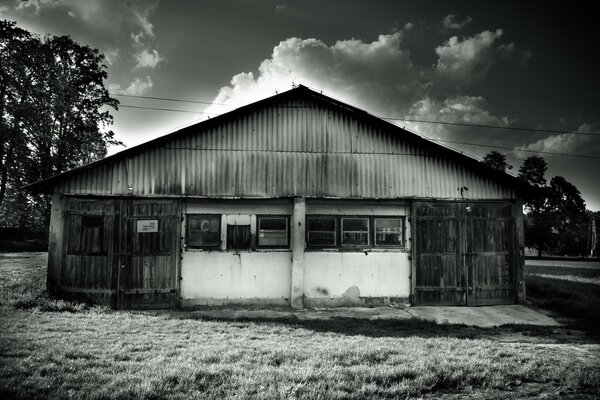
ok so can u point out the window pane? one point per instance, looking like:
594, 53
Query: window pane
204, 231
388, 232
271, 223
92, 234
238, 237
272, 231
355, 231
321, 224
321, 231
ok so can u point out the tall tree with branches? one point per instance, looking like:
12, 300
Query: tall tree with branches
54, 109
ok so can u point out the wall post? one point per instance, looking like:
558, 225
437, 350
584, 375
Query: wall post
298, 234
55, 243
519, 258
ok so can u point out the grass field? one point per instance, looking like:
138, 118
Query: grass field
52, 349
569, 291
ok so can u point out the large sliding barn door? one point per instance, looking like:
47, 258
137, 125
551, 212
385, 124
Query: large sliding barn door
148, 251
489, 239
464, 253
440, 278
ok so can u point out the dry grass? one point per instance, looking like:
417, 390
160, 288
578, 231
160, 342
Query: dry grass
99, 354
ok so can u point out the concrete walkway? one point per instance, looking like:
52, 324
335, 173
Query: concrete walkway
485, 317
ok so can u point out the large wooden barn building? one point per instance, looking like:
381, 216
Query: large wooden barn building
297, 200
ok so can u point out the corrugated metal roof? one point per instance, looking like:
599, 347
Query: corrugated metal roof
298, 143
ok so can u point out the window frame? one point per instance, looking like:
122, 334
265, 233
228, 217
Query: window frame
188, 217
103, 242
287, 229
402, 219
371, 233
335, 235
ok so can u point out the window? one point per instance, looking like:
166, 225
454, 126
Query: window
203, 231
321, 231
355, 231
238, 237
273, 231
389, 232
92, 234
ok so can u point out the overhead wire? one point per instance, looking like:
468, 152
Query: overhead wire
396, 119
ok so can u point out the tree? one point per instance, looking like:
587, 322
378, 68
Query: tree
556, 215
53, 106
538, 223
567, 207
496, 160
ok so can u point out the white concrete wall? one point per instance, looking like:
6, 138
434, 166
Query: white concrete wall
235, 277
336, 277
339, 274
229, 276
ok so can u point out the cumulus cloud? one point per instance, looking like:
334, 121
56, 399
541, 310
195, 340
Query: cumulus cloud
464, 61
568, 143
137, 87
460, 108
451, 23
362, 73
105, 22
148, 59
379, 76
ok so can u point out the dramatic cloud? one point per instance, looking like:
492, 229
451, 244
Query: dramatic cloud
137, 87
106, 22
380, 77
461, 109
463, 62
380, 73
450, 23
568, 143
148, 59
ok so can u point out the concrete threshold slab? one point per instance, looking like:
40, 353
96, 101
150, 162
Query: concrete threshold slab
484, 316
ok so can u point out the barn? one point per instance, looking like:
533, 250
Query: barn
297, 200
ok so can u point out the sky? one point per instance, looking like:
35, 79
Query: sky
509, 64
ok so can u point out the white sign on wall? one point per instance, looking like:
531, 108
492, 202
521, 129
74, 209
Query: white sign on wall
147, 225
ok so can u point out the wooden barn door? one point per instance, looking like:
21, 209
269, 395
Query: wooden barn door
148, 250
87, 270
440, 278
464, 253
489, 243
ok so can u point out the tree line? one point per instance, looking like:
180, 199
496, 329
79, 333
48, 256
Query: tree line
55, 117
556, 220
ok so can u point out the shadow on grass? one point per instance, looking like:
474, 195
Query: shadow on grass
391, 327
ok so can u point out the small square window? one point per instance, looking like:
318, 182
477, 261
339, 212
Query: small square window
203, 231
321, 231
355, 231
389, 232
273, 231
92, 234
238, 237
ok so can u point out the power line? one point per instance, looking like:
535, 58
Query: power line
515, 149
509, 128
435, 140
514, 128
170, 99
165, 109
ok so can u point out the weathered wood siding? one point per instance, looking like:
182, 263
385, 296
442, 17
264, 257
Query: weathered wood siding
466, 253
